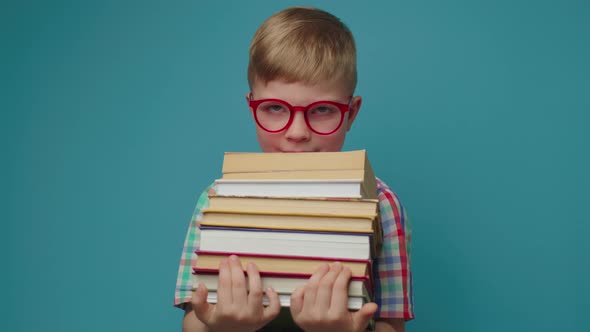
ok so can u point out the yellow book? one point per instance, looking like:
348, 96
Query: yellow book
287, 205
281, 263
295, 221
344, 166
321, 222
282, 283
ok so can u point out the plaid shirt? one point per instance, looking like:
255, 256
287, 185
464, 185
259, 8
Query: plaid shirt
393, 277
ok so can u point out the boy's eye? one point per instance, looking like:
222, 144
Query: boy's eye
274, 108
324, 110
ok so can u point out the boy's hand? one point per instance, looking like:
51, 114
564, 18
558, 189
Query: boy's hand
322, 304
236, 308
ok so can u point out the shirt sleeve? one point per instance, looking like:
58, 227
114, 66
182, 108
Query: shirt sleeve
183, 292
392, 273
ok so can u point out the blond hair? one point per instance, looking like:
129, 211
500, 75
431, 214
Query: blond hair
303, 44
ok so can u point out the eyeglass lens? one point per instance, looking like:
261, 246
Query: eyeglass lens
322, 118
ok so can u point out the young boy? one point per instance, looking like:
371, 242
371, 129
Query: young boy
302, 76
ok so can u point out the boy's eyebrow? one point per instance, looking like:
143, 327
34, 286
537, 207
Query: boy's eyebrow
349, 99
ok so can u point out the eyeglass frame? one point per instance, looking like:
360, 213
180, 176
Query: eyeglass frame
292, 109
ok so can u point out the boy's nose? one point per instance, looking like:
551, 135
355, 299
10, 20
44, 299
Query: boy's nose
298, 131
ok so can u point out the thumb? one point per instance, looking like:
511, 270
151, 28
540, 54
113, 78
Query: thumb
200, 306
362, 317
274, 305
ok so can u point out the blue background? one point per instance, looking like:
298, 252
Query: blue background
115, 117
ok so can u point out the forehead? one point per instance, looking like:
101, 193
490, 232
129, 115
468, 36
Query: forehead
300, 93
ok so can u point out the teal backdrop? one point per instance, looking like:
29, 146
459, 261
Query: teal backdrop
116, 114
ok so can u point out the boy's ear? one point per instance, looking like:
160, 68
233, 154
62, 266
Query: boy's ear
355, 107
247, 100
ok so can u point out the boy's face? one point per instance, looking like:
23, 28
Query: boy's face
299, 137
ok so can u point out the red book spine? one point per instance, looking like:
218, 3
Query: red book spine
368, 278
313, 258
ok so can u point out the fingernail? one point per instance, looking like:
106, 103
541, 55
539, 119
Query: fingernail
337, 265
270, 289
233, 257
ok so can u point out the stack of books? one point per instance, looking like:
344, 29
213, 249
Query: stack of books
289, 213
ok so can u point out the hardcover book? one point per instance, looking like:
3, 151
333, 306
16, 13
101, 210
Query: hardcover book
354, 302
336, 170
286, 205
282, 283
296, 221
287, 242
282, 263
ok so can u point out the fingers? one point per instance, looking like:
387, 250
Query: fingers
255, 286
340, 291
236, 308
297, 301
274, 305
199, 304
322, 304
326, 284
255, 296
362, 317
311, 288
224, 288
238, 281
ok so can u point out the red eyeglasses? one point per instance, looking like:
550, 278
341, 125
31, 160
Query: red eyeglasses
275, 115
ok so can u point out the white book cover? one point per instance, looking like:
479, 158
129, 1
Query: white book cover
282, 285
354, 303
345, 188
292, 243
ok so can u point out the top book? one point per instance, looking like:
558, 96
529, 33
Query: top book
240, 162
349, 165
